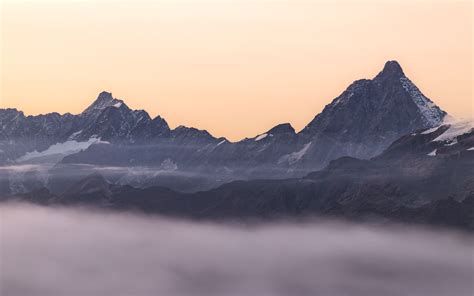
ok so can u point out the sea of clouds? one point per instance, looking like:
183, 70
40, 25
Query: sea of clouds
58, 251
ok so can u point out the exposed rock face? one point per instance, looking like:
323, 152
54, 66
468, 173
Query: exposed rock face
108, 119
368, 117
20, 134
112, 120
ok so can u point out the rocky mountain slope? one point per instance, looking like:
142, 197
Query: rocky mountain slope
406, 183
368, 117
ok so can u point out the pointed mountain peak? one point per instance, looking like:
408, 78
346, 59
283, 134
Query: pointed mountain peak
282, 128
391, 69
105, 96
392, 66
104, 100
389, 102
161, 122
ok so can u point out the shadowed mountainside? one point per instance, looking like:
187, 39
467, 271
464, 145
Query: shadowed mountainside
406, 183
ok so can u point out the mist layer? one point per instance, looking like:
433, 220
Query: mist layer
54, 251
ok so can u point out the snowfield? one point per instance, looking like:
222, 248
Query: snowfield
66, 148
456, 128
261, 137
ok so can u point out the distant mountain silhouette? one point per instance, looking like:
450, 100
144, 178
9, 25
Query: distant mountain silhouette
363, 121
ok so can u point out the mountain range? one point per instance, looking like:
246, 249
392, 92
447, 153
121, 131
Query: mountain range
381, 150
425, 177
363, 121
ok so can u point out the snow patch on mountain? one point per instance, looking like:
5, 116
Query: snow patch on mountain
65, 148
456, 128
74, 135
261, 137
432, 115
221, 142
429, 131
294, 157
454, 142
470, 149
432, 153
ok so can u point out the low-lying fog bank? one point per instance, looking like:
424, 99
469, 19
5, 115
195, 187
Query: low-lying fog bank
55, 251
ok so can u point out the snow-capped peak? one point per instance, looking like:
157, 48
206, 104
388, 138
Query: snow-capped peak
296, 156
104, 100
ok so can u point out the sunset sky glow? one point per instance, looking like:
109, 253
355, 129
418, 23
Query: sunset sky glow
235, 68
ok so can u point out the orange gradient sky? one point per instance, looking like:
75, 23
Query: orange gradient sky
235, 68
